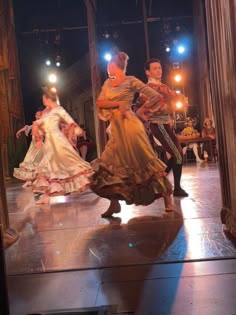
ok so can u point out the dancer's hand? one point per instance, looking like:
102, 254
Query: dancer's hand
73, 143
140, 113
78, 132
18, 134
39, 143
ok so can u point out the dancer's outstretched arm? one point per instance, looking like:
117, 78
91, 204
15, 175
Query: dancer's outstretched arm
24, 129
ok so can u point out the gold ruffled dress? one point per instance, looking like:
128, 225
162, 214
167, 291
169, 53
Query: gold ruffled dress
61, 170
128, 169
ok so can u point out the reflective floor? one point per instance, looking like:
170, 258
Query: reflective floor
70, 234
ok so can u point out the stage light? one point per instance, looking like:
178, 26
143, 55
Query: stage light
178, 91
181, 49
106, 35
53, 89
48, 62
115, 35
107, 57
58, 64
178, 77
167, 49
179, 105
175, 65
178, 28
52, 78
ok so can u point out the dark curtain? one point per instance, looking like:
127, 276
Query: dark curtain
204, 90
220, 18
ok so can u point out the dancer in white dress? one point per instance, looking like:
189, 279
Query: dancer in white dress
26, 169
61, 171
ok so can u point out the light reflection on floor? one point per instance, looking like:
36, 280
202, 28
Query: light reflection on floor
70, 233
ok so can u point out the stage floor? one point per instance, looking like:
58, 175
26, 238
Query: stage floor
69, 234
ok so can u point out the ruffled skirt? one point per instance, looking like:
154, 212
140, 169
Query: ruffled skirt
61, 171
128, 169
26, 169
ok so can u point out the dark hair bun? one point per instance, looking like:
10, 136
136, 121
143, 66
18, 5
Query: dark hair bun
50, 92
121, 60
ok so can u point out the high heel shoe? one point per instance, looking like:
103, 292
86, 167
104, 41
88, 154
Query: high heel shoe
111, 210
27, 184
169, 206
45, 199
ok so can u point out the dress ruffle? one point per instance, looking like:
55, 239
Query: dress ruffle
26, 169
61, 171
63, 184
140, 187
24, 174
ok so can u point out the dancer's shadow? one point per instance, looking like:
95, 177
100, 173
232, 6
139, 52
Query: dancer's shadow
129, 254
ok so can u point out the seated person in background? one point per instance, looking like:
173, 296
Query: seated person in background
190, 133
208, 131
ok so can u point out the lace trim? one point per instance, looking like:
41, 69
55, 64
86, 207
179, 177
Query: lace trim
54, 187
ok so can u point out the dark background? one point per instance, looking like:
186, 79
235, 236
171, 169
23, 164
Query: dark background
35, 45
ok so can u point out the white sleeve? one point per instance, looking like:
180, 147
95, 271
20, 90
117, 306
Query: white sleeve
66, 117
28, 130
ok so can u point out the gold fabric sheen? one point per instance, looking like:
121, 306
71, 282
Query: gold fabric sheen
128, 169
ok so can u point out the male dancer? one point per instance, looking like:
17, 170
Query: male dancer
159, 122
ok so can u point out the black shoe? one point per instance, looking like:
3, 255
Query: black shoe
180, 192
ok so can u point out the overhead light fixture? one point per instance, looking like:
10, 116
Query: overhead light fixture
107, 57
52, 78
178, 77
181, 49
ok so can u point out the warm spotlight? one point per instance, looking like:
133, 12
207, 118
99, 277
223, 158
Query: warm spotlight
52, 78
179, 105
178, 91
53, 89
178, 77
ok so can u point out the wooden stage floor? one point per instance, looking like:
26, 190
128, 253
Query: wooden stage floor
69, 234
142, 262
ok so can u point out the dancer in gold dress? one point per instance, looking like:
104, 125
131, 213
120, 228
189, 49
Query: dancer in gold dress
128, 169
